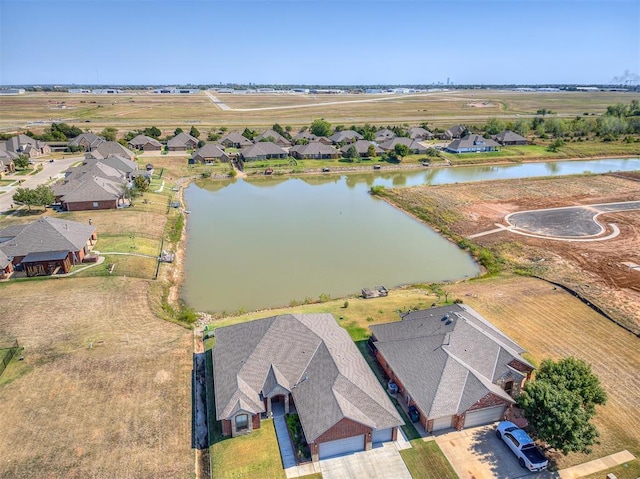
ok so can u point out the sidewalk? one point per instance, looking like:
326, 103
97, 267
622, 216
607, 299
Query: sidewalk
596, 465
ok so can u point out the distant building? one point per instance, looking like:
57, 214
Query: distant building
11, 91
78, 90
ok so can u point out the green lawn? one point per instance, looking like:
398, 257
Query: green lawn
254, 455
128, 244
425, 460
628, 470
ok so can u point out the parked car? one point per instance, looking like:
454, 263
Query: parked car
414, 415
529, 455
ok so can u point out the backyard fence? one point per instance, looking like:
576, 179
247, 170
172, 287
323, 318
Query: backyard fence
7, 352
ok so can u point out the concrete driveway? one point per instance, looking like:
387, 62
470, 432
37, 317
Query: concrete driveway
477, 453
383, 462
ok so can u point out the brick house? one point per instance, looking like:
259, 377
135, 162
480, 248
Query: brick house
209, 153
145, 143
47, 246
314, 150
235, 140
86, 141
472, 144
454, 366
307, 362
415, 147
509, 137
263, 150
182, 142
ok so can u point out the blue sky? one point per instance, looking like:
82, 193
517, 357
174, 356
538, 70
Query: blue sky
317, 42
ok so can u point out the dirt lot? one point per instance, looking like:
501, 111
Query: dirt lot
593, 269
121, 408
551, 323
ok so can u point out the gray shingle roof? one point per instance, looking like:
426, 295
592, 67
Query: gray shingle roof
418, 132
141, 140
278, 138
384, 134
236, 138
471, 141
345, 135
89, 138
43, 235
209, 151
314, 148
413, 145
309, 355
4, 260
509, 136
262, 148
362, 147
182, 139
107, 148
447, 358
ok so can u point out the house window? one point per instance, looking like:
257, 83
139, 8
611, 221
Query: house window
508, 387
242, 422
95, 204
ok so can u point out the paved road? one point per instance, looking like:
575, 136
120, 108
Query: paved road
567, 222
50, 170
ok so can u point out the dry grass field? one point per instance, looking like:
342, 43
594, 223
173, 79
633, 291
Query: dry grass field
121, 408
593, 269
142, 109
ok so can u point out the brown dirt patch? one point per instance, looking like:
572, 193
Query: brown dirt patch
118, 409
593, 269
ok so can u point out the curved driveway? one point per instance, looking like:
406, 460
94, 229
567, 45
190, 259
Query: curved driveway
567, 222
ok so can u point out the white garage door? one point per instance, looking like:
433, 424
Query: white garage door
383, 435
341, 446
440, 423
483, 416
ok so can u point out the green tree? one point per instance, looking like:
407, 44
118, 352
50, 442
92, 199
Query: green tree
24, 196
153, 132
249, 134
213, 136
281, 131
141, 183
109, 133
352, 154
619, 109
177, 131
560, 404
556, 145
22, 161
494, 126
194, 132
43, 195
401, 150
371, 151
320, 128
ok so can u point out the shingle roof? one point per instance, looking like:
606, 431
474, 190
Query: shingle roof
182, 139
314, 148
413, 145
509, 136
278, 138
262, 148
447, 358
89, 138
309, 355
343, 135
4, 260
305, 135
384, 134
209, 151
362, 147
471, 141
419, 132
107, 148
236, 138
142, 140
45, 234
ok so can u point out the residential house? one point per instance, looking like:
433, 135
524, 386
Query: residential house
7, 158
6, 266
457, 131
509, 137
277, 138
94, 185
314, 150
86, 141
453, 365
307, 362
415, 147
47, 246
305, 135
209, 153
25, 145
235, 140
472, 144
419, 134
262, 150
362, 147
345, 136
182, 142
110, 148
145, 143
384, 135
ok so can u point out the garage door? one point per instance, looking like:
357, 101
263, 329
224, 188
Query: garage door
383, 435
483, 416
440, 423
341, 446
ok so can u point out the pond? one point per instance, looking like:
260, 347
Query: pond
268, 242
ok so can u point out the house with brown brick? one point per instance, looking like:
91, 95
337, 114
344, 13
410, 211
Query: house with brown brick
263, 150
306, 363
25, 145
86, 141
182, 142
314, 150
453, 365
209, 154
362, 147
274, 137
110, 148
509, 137
415, 147
145, 143
47, 246
419, 134
6, 266
235, 140
472, 144
345, 136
